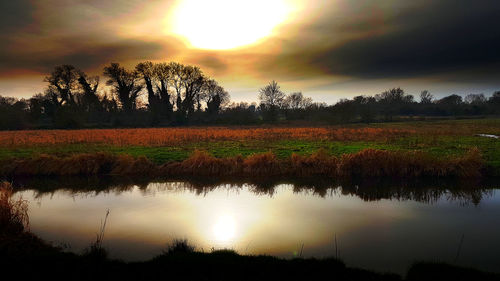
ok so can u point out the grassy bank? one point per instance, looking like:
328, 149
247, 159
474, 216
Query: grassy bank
365, 163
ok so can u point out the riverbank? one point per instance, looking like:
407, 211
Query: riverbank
365, 163
45, 261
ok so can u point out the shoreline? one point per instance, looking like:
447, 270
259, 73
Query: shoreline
184, 262
367, 163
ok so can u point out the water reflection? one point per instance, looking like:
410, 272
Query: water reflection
383, 228
428, 191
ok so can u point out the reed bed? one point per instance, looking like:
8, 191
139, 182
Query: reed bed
366, 163
179, 136
13, 212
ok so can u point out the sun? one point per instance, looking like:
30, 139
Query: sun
225, 228
228, 24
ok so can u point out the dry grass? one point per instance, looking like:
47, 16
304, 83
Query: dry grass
318, 163
381, 163
176, 136
366, 163
13, 213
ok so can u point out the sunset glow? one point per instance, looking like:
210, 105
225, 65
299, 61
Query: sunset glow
227, 24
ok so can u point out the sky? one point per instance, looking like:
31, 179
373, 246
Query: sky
327, 49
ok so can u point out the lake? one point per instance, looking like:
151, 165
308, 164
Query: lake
384, 229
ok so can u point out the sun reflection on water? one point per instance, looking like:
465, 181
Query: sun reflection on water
224, 229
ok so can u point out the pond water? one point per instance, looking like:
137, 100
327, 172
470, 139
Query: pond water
384, 230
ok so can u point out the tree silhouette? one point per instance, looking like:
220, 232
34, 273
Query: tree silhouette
187, 81
63, 81
426, 97
271, 99
125, 83
163, 76
271, 95
215, 96
146, 70
297, 101
89, 100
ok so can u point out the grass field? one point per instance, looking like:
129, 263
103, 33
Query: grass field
438, 139
162, 145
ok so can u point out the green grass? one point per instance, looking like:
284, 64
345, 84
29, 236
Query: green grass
429, 138
441, 146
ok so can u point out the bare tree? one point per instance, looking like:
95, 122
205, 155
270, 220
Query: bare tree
63, 82
475, 99
297, 101
271, 95
163, 76
426, 97
125, 83
215, 96
394, 96
146, 71
89, 101
187, 82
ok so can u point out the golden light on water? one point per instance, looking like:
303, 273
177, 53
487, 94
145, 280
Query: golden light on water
228, 24
225, 228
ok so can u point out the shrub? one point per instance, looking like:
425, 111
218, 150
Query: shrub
13, 213
179, 246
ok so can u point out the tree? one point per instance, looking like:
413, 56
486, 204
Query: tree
271, 100
89, 101
12, 113
451, 100
126, 85
156, 79
163, 76
394, 96
426, 97
187, 82
495, 98
215, 96
271, 95
63, 81
450, 104
146, 71
297, 101
475, 99
392, 101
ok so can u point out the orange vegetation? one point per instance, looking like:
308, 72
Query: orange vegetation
366, 163
13, 213
175, 136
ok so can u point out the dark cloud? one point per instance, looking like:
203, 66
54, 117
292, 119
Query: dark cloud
436, 37
210, 61
445, 41
84, 55
14, 15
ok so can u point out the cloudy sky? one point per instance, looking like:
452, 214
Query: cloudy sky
328, 49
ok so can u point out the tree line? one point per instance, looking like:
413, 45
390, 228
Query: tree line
173, 94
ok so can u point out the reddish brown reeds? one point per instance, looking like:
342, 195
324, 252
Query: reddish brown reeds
13, 212
176, 136
319, 163
201, 163
366, 163
262, 164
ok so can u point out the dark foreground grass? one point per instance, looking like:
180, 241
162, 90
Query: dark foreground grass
214, 265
